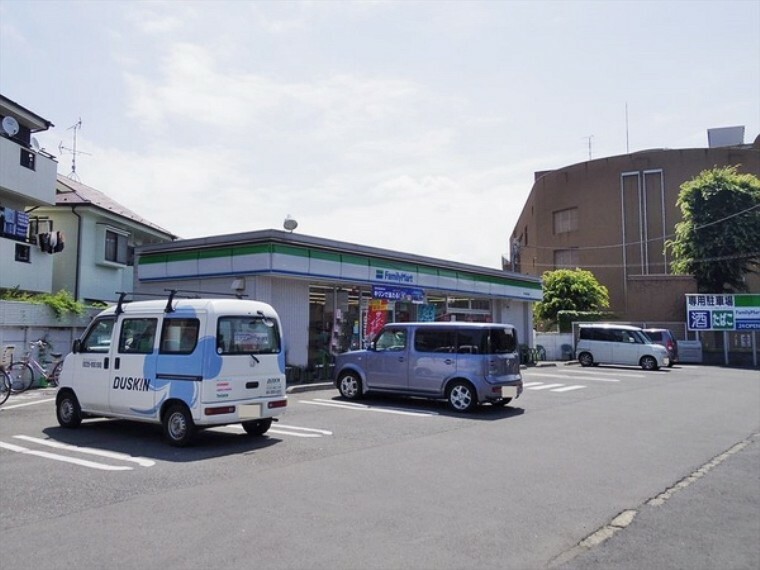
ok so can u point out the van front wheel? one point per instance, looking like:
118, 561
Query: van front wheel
179, 427
257, 427
67, 410
649, 363
349, 386
585, 359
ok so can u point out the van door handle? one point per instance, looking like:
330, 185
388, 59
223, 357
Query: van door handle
116, 363
449, 361
105, 363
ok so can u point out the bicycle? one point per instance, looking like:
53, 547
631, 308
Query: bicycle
21, 372
5, 385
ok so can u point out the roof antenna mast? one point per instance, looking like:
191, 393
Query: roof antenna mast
73, 150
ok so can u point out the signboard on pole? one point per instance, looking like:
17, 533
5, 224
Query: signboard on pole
723, 312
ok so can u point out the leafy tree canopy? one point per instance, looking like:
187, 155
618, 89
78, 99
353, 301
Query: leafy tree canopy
718, 239
570, 290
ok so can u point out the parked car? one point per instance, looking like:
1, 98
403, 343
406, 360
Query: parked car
666, 338
465, 363
618, 344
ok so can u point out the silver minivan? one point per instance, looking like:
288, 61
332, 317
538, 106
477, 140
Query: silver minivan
465, 363
618, 344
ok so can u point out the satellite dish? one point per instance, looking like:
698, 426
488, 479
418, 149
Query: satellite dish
10, 126
35, 144
289, 224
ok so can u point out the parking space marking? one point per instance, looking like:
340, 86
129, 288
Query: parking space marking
294, 431
63, 458
141, 461
545, 386
568, 388
366, 408
31, 403
584, 378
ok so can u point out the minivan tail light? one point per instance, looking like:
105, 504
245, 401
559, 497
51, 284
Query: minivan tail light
277, 404
219, 410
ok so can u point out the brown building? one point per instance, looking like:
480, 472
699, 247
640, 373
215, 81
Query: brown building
612, 216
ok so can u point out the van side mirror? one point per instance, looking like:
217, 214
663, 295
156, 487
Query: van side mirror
77, 346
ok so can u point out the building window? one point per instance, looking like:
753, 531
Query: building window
565, 220
23, 253
27, 159
117, 249
566, 259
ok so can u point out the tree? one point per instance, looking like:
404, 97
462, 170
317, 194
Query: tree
570, 290
718, 239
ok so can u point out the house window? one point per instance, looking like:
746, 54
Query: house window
565, 220
23, 253
27, 159
117, 248
566, 258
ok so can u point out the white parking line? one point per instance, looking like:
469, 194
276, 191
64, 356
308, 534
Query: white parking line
584, 378
294, 431
365, 408
141, 461
13, 406
568, 388
63, 458
545, 386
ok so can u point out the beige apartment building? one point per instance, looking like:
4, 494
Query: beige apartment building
612, 216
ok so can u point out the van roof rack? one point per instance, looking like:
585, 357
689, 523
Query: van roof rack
173, 293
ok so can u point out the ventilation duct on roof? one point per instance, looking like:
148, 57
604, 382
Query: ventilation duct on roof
725, 136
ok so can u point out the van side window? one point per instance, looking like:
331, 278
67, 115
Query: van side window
179, 336
137, 336
98, 338
502, 340
391, 339
247, 335
472, 341
434, 340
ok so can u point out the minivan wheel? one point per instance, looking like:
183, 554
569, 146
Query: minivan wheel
462, 397
67, 410
257, 427
349, 386
648, 363
585, 359
178, 425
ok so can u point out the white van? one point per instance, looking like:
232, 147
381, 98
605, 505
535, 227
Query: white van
186, 364
618, 344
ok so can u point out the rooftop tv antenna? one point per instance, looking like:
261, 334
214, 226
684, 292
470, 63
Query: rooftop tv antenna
73, 150
589, 145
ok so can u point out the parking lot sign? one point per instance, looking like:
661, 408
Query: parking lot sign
723, 312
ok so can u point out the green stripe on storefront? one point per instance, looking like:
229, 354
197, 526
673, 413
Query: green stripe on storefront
360, 260
747, 300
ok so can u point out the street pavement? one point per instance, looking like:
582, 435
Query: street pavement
678, 528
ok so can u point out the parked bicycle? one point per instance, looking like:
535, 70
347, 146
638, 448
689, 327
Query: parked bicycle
5, 385
22, 372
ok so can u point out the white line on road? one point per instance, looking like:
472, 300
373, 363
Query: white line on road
584, 378
568, 388
286, 431
545, 386
12, 406
365, 408
63, 458
143, 462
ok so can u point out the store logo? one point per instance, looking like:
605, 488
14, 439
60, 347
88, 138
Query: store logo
394, 276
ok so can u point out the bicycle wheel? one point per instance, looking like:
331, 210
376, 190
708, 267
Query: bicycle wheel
52, 378
5, 387
21, 376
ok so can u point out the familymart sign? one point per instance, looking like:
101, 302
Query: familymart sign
723, 312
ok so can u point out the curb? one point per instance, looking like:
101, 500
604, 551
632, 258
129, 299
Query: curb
298, 388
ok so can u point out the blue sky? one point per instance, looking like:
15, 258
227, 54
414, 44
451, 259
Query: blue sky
413, 126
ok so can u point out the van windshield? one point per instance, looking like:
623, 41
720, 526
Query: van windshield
247, 335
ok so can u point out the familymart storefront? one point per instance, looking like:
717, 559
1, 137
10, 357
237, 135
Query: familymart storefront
332, 296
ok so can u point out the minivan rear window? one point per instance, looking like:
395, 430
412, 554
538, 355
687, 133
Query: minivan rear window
247, 335
496, 340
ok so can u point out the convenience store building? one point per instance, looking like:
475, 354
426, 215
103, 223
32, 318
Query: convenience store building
332, 296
